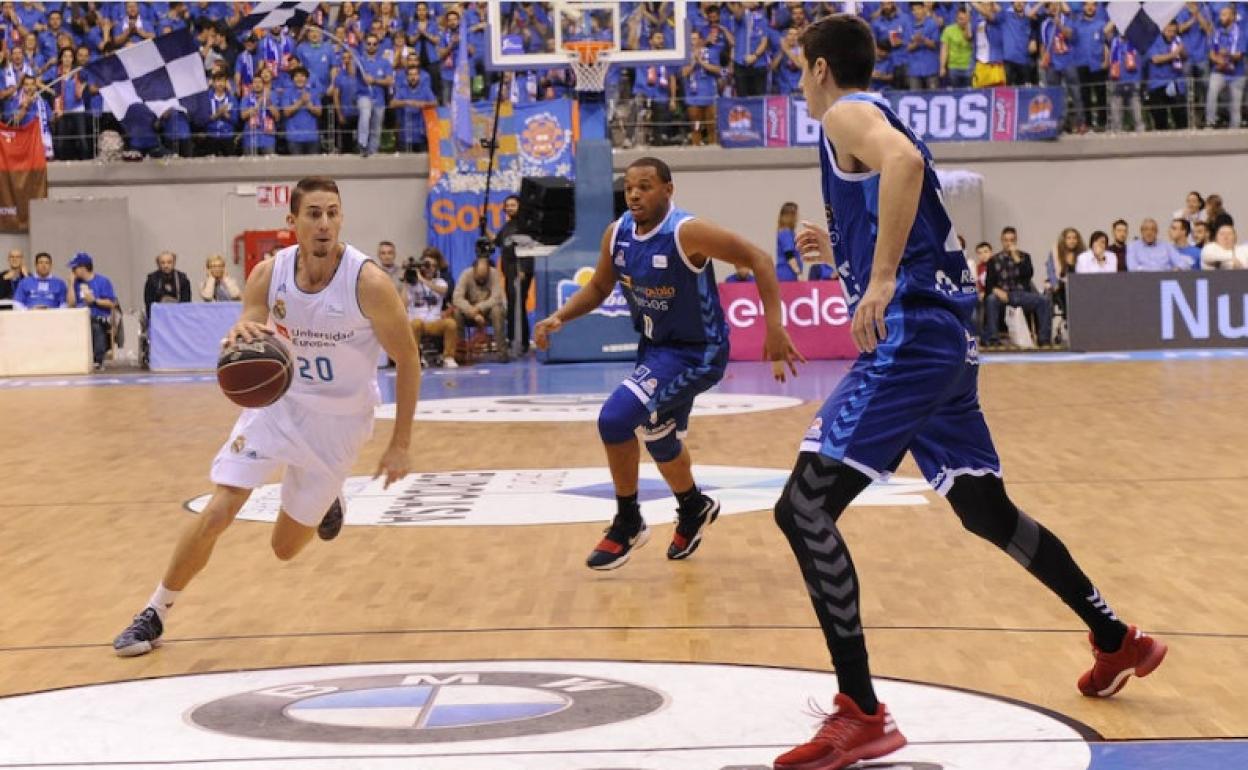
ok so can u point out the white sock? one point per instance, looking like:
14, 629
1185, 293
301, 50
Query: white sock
162, 600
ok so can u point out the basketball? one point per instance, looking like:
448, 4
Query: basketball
254, 374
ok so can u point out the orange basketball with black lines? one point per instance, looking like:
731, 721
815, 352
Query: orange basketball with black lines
254, 374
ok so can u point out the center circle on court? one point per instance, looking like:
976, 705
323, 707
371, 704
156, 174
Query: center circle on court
483, 715
552, 496
571, 407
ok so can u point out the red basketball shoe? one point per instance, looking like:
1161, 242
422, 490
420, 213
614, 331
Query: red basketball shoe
846, 736
1140, 654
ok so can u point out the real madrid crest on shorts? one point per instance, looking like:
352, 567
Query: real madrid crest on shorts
279, 309
619, 258
239, 443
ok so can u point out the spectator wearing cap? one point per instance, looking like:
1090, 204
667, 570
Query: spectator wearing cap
94, 292
14, 275
41, 290
166, 283
218, 285
1181, 238
300, 106
1146, 254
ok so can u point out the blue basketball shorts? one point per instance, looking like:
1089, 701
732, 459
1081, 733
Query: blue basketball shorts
919, 391
668, 378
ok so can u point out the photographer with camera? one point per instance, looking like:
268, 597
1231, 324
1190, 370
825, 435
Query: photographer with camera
424, 292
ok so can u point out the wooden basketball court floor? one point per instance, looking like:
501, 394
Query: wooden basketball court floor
1140, 466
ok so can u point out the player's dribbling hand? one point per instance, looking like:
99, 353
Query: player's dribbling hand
394, 465
814, 243
779, 349
545, 327
247, 331
868, 327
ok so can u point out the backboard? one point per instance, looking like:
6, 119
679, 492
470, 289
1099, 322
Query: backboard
533, 35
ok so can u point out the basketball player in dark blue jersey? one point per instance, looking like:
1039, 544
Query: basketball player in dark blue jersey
661, 257
913, 388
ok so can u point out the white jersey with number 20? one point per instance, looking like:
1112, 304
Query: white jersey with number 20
333, 347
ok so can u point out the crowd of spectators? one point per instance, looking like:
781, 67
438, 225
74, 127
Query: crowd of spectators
1200, 235
356, 77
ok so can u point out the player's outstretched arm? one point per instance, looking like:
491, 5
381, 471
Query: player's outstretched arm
253, 322
860, 131
381, 304
586, 298
700, 240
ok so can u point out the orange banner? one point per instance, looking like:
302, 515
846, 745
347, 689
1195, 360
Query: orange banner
23, 175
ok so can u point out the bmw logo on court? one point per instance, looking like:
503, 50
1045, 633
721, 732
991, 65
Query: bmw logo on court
552, 496
509, 715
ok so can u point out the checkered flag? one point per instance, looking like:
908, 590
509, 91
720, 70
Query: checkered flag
1140, 22
141, 83
265, 15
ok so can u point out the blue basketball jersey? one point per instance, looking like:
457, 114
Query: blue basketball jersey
933, 269
671, 301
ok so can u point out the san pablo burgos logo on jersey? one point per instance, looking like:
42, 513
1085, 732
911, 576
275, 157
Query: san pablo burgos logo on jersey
614, 305
555, 496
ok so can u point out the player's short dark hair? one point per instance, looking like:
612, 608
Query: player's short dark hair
1098, 234
1187, 226
310, 184
300, 71
983, 245
513, 196
1009, 229
662, 169
43, 255
1122, 222
385, 243
846, 43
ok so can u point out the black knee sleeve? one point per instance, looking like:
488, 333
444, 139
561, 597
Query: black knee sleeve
985, 509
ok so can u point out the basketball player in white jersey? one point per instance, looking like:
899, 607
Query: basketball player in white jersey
336, 309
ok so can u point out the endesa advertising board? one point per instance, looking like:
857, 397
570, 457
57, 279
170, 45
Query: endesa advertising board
816, 317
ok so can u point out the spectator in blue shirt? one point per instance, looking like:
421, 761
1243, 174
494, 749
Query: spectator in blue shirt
345, 95
277, 47
741, 274
448, 50
714, 36
1092, 56
424, 36
988, 39
1226, 53
892, 34
788, 260
259, 114
1058, 64
69, 110
412, 95
1180, 239
49, 38
923, 52
246, 65
1147, 254
701, 81
317, 57
222, 118
378, 76
786, 65
1126, 67
1018, 48
1166, 88
135, 26
301, 112
749, 44
94, 292
1196, 27
655, 85
41, 290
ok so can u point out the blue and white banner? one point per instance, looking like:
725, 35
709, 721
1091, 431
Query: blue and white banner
141, 83
971, 115
533, 140
276, 14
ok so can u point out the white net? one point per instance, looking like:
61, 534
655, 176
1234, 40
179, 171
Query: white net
590, 76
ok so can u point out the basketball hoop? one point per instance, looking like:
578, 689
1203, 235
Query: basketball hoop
590, 60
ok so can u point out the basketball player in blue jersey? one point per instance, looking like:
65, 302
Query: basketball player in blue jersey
337, 310
913, 388
660, 255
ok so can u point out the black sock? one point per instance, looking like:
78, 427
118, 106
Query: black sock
628, 511
688, 501
853, 677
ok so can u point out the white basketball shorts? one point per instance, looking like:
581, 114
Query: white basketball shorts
317, 451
